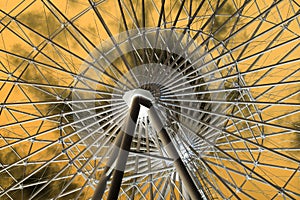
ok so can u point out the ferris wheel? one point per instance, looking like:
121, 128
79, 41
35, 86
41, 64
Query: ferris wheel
149, 99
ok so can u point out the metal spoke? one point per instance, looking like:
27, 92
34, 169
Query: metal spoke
149, 99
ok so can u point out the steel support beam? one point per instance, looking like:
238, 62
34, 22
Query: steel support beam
172, 152
124, 149
128, 132
106, 175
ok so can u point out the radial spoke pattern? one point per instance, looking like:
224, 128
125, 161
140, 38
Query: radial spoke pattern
224, 76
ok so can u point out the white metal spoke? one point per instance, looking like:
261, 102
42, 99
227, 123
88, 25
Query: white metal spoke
217, 84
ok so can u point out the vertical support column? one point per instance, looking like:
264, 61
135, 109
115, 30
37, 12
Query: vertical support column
172, 152
128, 132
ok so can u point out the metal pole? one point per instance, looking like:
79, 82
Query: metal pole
125, 144
105, 177
118, 172
172, 152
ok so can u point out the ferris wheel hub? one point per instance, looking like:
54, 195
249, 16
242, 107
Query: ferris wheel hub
130, 95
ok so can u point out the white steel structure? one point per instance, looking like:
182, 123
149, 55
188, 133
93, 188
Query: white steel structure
149, 99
